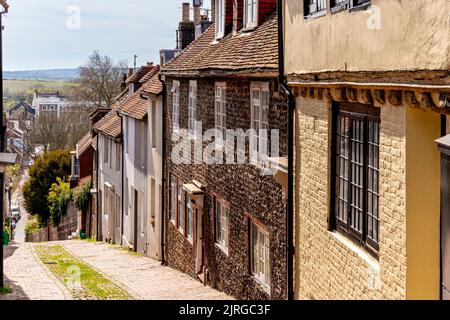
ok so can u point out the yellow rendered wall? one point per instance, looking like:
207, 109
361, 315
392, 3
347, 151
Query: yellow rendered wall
385, 38
423, 204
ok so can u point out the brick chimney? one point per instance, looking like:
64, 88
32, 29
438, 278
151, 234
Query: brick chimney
185, 16
197, 13
213, 10
238, 11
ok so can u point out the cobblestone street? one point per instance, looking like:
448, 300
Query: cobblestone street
141, 277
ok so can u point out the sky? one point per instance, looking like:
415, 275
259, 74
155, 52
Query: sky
53, 34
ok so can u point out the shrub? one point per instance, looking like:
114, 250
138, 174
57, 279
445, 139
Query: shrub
43, 174
82, 195
32, 225
58, 198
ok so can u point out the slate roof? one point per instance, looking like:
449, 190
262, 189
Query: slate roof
84, 144
246, 51
24, 105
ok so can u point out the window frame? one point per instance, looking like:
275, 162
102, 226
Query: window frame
181, 219
189, 211
264, 279
192, 108
256, 142
222, 224
220, 102
176, 106
106, 149
255, 8
142, 151
318, 12
220, 19
367, 115
118, 156
173, 199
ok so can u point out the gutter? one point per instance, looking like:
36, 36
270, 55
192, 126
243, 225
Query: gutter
291, 109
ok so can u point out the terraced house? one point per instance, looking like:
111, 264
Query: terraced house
226, 222
369, 107
140, 109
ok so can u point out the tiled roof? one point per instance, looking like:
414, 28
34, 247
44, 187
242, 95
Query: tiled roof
84, 144
150, 74
109, 124
153, 86
245, 51
137, 76
135, 106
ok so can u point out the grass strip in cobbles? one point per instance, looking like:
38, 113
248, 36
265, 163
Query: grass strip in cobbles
81, 280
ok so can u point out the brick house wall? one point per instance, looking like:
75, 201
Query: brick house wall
249, 195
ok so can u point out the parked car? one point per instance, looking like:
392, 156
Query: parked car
15, 212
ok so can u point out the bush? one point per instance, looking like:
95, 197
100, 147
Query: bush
58, 198
43, 174
82, 195
32, 225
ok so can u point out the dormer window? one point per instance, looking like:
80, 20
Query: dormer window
250, 13
220, 19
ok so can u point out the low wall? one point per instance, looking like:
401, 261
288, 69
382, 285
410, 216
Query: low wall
68, 225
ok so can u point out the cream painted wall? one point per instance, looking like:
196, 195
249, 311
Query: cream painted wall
414, 35
423, 204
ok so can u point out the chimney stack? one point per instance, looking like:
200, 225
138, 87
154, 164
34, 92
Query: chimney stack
197, 14
213, 11
186, 8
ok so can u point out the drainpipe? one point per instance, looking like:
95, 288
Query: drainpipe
291, 109
122, 192
98, 191
163, 165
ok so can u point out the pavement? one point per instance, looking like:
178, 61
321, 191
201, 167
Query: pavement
141, 277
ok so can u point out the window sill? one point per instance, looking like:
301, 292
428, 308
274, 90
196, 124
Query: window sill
316, 15
339, 8
263, 286
249, 29
222, 248
190, 240
173, 222
361, 252
181, 230
361, 7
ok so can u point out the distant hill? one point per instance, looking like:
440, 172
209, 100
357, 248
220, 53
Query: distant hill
43, 75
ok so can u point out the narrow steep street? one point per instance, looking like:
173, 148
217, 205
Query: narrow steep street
139, 277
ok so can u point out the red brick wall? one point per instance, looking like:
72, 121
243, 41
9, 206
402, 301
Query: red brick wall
85, 163
265, 9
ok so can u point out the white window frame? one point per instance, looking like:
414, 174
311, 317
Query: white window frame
189, 218
176, 106
106, 150
220, 110
221, 219
180, 216
260, 255
192, 110
259, 104
220, 18
143, 134
118, 156
173, 198
251, 18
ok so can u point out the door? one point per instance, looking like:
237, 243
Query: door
136, 221
199, 260
118, 221
100, 216
142, 224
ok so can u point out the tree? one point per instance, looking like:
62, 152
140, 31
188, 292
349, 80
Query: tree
99, 81
45, 171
